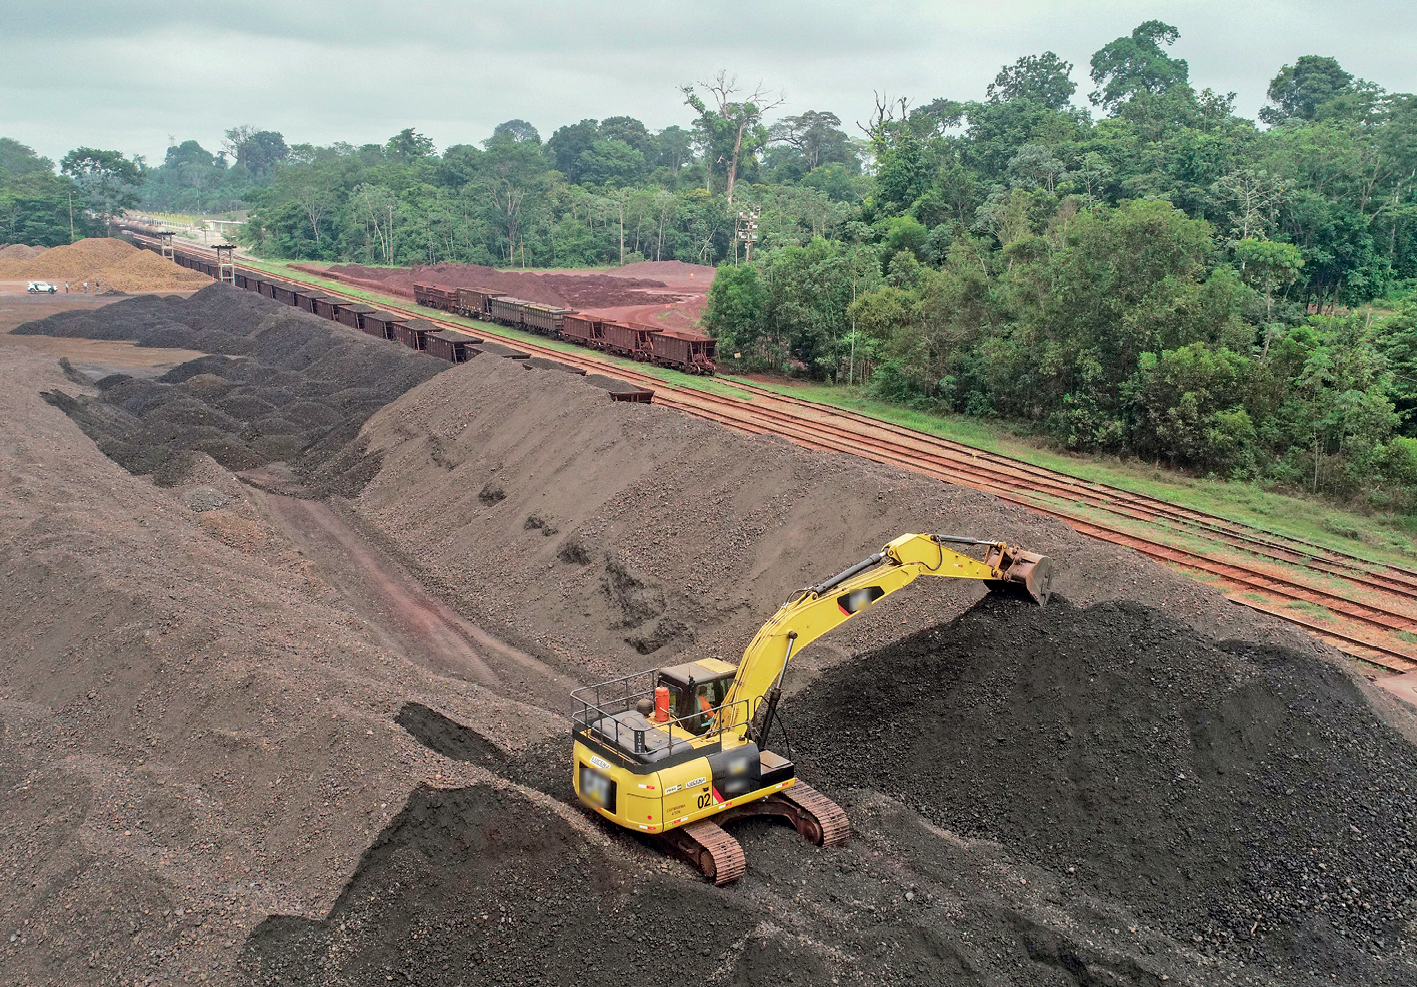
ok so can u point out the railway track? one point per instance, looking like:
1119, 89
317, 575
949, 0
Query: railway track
1259, 569
1292, 549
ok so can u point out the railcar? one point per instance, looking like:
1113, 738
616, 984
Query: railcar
686, 351
508, 310
629, 339
583, 329
448, 345
544, 320
476, 303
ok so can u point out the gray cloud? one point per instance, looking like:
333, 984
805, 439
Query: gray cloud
129, 74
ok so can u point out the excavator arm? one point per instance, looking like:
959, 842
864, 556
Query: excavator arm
818, 609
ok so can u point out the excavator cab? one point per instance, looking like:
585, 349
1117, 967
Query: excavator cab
696, 688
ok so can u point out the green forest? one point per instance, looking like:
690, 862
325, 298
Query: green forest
1133, 270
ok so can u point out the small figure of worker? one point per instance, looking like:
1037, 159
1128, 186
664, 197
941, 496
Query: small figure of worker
66, 287
705, 708
86, 287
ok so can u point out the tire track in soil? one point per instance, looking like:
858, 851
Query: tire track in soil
411, 620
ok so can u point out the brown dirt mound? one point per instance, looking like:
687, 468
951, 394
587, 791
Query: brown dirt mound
671, 269
18, 251
109, 263
582, 291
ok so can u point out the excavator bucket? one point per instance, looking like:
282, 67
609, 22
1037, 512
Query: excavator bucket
1025, 574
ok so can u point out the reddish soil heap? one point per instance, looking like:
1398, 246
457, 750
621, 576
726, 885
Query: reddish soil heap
572, 290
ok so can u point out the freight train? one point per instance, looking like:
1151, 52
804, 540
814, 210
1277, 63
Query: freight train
686, 351
451, 345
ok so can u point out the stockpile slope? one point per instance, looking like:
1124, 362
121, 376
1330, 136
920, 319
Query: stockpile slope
281, 386
1141, 739
204, 737
19, 251
614, 532
186, 680
675, 270
109, 263
195, 731
1248, 797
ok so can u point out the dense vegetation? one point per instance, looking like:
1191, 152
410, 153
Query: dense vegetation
1140, 271
1169, 281
35, 202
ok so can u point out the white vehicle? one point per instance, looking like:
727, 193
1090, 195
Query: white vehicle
41, 287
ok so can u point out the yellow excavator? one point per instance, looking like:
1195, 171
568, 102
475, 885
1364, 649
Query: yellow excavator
675, 752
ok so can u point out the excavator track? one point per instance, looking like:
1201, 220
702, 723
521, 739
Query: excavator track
817, 818
704, 846
826, 822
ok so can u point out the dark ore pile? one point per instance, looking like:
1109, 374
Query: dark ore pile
280, 386
1244, 799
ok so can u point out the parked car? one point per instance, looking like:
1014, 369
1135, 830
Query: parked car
41, 287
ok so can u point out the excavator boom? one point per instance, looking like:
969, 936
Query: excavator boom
818, 609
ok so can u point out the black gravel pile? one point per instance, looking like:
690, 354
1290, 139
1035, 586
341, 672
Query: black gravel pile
541, 363
280, 386
1247, 801
481, 885
612, 383
502, 350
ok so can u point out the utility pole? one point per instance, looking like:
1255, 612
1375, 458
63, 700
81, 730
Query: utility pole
71, 216
747, 232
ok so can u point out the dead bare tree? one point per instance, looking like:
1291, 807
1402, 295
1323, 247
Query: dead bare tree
884, 114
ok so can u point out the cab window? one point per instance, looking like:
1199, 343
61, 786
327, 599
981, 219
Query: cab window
696, 700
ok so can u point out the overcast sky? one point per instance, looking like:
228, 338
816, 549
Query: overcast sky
130, 74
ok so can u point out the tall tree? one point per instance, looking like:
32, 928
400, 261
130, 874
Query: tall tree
409, 146
1300, 89
377, 207
186, 154
628, 130
513, 173
34, 209
1137, 64
109, 180
1044, 79
258, 150
516, 131
19, 159
568, 143
815, 135
734, 130
314, 190
675, 148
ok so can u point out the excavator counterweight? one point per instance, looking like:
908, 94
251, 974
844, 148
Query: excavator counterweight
676, 752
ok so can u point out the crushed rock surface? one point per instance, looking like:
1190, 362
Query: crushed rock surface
279, 385
227, 766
